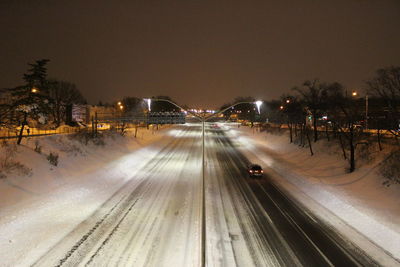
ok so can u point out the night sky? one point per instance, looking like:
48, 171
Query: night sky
200, 53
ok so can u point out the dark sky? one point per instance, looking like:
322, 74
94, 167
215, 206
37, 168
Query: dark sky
201, 53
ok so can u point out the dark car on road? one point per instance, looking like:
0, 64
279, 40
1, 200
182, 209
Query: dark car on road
255, 170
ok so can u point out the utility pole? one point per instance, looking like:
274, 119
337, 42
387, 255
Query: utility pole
95, 123
92, 126
366, 112
203, 236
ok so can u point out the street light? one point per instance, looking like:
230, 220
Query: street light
34, 90
148, 100
258, 104
354, 93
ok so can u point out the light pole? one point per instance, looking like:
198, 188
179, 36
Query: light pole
203, 119
366, 112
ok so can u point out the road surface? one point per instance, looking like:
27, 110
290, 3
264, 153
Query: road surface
155, 219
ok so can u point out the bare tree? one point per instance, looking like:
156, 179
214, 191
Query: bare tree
294, 111
386, 84
133, 105
346, 112
314, 97
5, 107
62, 94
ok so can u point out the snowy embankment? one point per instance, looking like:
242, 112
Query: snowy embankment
66, 194
358, 204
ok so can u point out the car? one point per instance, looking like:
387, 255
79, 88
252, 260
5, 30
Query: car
255, 170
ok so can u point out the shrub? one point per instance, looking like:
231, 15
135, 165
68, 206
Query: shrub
98, 141
9, 152
38, 147
17, 167
53, 158
364, 153
390, 168
85, 137
82, 136
68, 146
7, 163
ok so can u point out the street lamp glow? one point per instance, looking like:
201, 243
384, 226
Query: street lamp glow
119, 103
281, 107
148, 100
34, 90
121, 107
354, 93
258, 104
288, 101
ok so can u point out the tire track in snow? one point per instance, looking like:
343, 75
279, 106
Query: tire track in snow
265, 243
93, 235
154, 240
283, 213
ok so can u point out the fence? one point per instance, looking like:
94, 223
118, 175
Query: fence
30, 132
117, 124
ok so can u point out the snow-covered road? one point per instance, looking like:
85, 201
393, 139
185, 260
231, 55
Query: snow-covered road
155, 217
265, 227
153, 220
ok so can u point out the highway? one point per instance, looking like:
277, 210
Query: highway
155, 219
